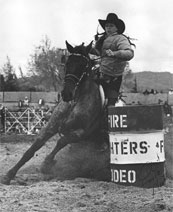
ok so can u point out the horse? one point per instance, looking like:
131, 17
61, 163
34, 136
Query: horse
79, 114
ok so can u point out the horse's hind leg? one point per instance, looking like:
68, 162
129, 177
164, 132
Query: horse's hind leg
46, 133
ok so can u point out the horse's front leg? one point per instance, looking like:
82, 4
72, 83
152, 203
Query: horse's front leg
46, 133
72, 137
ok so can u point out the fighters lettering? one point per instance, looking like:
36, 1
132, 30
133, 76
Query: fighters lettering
128, 147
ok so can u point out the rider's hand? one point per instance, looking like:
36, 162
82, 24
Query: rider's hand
110, 53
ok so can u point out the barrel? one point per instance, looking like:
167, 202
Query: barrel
136, 137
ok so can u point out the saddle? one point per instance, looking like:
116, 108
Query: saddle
100, 77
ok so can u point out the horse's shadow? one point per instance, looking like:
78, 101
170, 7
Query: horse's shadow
84, 159
80, 160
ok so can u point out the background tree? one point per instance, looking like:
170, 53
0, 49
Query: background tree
10, 78
2, 83
135, 87
46, 66
25, 83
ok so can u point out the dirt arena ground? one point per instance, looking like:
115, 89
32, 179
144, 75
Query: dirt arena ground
32, 191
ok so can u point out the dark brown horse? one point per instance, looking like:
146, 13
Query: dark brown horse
77, 116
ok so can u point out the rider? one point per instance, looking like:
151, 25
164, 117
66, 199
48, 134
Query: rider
115, 50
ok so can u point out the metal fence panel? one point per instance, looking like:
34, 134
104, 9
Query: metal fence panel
27, 121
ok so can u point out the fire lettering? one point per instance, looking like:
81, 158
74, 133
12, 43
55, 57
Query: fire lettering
117, 121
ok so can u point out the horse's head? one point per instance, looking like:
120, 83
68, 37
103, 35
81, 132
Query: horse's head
76, 67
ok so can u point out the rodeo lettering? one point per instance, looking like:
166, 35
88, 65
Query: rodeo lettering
123, 176
117, 121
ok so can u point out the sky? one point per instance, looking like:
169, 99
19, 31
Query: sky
24, 23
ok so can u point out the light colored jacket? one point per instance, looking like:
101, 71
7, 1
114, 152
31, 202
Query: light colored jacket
114, 66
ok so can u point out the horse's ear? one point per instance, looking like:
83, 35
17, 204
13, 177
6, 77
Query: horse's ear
88, 48
69, 47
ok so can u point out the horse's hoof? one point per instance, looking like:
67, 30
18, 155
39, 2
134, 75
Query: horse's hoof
47, 160
5, 180
47, 165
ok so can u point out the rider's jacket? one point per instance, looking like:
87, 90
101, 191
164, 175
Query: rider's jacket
114, 66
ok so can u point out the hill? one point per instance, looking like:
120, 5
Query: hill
147, 80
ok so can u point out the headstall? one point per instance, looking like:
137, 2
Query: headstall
76, 80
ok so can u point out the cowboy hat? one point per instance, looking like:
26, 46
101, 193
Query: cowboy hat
113, 19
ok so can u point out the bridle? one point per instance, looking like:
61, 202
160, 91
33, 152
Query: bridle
71, 77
